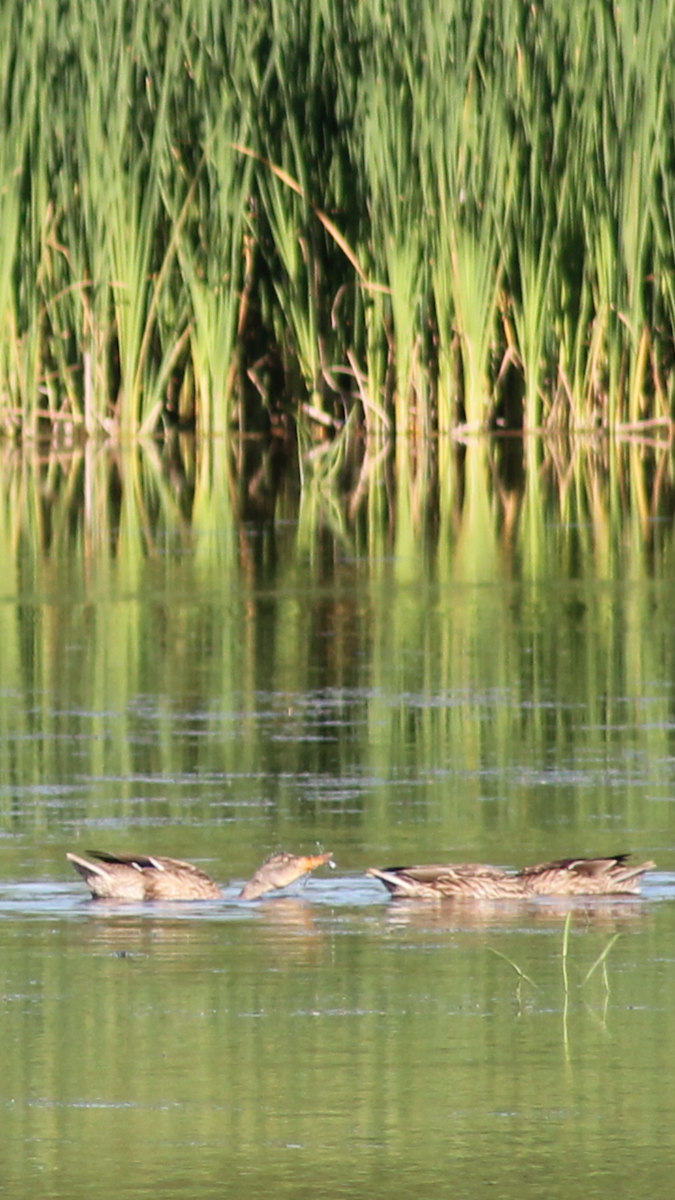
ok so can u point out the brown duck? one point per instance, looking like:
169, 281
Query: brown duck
475, 881
146, 877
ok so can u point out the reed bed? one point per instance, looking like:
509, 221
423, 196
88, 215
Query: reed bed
251, 214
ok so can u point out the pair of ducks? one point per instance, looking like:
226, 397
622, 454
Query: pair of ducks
141, 877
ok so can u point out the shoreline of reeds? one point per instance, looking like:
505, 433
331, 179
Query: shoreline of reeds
256, 215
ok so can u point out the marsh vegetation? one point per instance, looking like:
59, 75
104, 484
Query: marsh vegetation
232, 215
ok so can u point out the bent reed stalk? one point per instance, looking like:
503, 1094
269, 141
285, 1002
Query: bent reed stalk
240, 215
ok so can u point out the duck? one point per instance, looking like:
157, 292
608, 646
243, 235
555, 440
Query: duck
610, 876
279, 871
139, 877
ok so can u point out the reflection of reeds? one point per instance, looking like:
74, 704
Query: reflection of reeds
370, 581
479, 507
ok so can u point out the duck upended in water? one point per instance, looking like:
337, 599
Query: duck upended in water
145, 877
476, 881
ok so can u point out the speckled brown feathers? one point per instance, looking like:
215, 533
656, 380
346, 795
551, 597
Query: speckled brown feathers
279, 871
471, 881
148, 877
143, 877
476, 881
613, 876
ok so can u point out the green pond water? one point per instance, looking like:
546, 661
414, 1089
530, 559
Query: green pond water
214, 681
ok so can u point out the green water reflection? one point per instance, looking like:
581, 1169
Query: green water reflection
326, 1055
498, 682
199, 660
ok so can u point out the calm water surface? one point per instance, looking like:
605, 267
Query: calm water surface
221, 687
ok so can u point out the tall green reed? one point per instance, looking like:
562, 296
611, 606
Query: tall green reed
538, 220
215, 282
122, 184
470, 179
421, 207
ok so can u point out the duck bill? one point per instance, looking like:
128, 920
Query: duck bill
310, 861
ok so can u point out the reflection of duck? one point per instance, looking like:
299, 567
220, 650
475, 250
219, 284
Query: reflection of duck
145, 877
604, 913
475, 881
